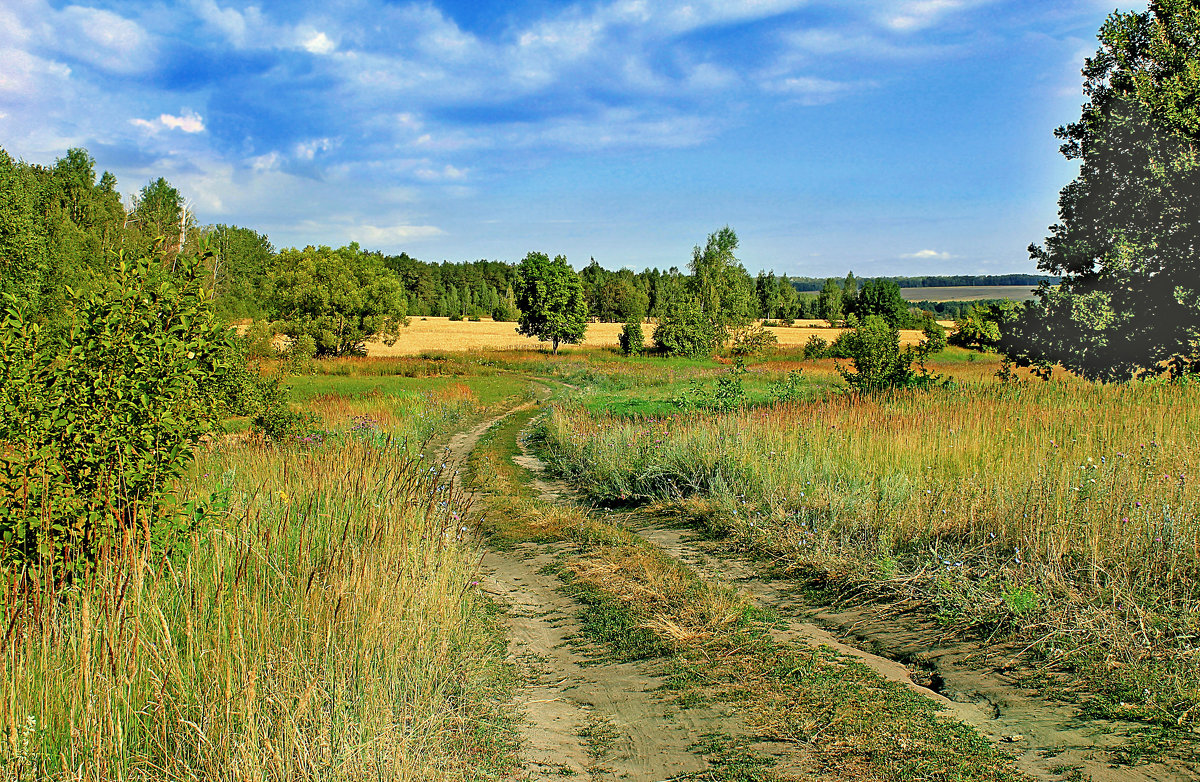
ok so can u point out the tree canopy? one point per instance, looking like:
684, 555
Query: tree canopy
1126, 241
550, 297
338, 298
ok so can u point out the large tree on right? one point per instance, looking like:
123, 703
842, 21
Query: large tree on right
1127, 244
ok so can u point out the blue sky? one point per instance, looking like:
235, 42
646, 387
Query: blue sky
883, 136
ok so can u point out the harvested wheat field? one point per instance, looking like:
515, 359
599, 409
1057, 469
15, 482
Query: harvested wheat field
424, 335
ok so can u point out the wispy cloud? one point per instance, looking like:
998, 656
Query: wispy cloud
928, 255
187, 122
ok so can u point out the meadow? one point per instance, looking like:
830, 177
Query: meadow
1062, 512
321, 623
324, 621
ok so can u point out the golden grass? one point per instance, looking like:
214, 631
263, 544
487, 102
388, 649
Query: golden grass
433, 335
324, 627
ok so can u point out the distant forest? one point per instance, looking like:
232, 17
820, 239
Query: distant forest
62, 226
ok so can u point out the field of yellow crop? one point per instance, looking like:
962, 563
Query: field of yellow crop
424, 335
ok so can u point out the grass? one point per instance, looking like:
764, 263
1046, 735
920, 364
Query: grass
324, 625
639, 603
1064, 512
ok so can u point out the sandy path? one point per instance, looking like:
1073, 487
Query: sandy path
585, 718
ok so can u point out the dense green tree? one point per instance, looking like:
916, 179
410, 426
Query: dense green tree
830, 304
1129, 224
721, 286
767, 289
882, 298
159, 213
879, 362
338, 298
619, 300
683, 329
241, 261
550, 298
980, 326
788, 303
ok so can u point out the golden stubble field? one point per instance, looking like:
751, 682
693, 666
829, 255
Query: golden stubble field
427, 335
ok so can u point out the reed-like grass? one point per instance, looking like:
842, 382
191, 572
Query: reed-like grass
324, 625
1066, 507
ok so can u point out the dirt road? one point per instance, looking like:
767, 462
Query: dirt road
599, 719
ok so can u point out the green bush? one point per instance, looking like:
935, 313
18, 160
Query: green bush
816, 347
631, 339
505, 313
96, 425
879, 363
752, 340
935, 337
684, 331
259, 340
340, 298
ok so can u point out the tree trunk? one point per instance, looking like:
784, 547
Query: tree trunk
554, 340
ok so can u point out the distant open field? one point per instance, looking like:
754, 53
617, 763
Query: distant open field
968, 293
431, 335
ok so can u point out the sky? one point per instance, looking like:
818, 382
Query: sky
879, 136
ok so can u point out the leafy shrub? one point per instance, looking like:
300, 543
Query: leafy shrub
790, 388
475, 319
816, 347
935, 337
840, 347
259, 340
505, 313
456, 317
752, 341
631, 339
98, 424
725, 395
273, 416
683, 330
299, 355
879, 363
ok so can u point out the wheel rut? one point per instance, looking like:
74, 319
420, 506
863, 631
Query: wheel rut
584, 717
568, 694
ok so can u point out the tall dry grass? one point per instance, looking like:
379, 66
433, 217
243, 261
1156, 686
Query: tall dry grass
1067, 506
324, 626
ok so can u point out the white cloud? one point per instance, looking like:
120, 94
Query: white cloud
911, 16
228, 21
188, 122
307, 150
315, 42
814, 91
369, 235
928, 255
447, 172
26, 75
